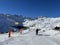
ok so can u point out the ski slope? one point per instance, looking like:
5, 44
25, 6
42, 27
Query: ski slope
29, 39
47, 36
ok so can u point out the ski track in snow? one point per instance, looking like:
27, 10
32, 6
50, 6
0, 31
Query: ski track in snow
31, 40
56, 40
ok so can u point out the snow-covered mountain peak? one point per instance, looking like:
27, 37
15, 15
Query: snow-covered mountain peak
47, 23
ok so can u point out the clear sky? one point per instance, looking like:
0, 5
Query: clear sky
31, 8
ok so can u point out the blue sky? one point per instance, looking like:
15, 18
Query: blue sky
31, 8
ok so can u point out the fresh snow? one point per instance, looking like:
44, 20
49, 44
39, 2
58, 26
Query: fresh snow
47, 36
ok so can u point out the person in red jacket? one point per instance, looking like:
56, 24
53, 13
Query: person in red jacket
21, 31
9, 33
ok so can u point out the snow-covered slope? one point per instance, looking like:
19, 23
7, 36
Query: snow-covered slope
28, 39
47, 36
8, 20
43, 23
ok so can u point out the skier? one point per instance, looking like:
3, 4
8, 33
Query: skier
36, 31
21, 31
9, 33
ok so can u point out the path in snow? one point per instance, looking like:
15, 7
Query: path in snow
31, 40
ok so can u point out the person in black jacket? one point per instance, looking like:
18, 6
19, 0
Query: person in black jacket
36, 31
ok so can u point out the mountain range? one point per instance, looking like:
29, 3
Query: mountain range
8, 20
